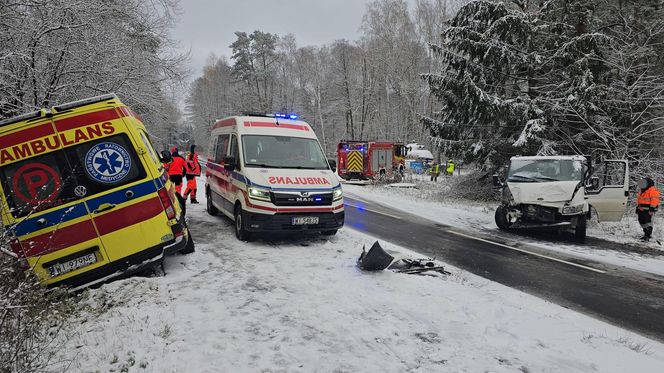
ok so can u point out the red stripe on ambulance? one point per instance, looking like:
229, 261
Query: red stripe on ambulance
224, 123
130, 215
88, 118
59, 238
16, 138
275, 125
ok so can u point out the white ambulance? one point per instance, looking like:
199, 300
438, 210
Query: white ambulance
269, 173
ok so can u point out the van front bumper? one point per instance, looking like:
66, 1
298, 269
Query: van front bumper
123, 267
281, 222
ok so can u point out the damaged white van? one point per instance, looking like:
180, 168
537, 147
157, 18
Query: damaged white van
561, 192
269, 174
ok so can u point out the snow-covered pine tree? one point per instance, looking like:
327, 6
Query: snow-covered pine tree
485, 84
602, 79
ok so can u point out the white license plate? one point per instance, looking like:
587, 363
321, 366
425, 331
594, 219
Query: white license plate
305, 220
71, 265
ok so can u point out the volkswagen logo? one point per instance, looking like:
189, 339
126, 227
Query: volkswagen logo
80, 191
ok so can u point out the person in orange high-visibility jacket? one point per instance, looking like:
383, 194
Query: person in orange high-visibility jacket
647, 204
192, 169
176, 169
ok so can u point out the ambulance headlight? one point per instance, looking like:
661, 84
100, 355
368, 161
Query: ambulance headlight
257, 193
337, 194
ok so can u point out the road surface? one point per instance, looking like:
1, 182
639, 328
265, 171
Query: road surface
630, 299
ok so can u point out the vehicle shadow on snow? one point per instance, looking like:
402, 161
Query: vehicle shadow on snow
207, 230
567, 238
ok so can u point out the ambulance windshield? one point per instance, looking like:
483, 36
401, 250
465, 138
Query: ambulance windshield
283, 152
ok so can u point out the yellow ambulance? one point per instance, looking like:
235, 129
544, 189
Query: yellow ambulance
84, 196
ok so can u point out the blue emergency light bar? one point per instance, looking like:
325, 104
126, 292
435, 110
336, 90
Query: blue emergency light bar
291, 116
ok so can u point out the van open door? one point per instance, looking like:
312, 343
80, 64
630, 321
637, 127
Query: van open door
607, 189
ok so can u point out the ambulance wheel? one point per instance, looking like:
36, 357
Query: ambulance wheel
190, 248
210, 207
329, 233
580, 228
501, 218
240, 232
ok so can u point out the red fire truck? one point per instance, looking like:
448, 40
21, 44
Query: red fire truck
370, 161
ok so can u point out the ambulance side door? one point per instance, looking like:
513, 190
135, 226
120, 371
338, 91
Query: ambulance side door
607, 189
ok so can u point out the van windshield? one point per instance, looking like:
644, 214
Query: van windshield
283, 152
543, 170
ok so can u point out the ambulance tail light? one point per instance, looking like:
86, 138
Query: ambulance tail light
167, 203
17, 252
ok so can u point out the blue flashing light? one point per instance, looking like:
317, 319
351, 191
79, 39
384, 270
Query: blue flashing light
291, 116
318, 199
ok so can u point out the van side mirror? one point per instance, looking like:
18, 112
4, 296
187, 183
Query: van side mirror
230, 163
593, 183
333, 164
166, 156
497, 181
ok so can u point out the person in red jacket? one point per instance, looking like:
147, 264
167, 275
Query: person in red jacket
193, 169
176, 169
647, 204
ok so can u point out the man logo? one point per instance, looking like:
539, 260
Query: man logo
304, 194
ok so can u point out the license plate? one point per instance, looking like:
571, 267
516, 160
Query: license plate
71, 265
305, 220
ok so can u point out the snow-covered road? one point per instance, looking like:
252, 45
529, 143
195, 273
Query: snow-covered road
301, 305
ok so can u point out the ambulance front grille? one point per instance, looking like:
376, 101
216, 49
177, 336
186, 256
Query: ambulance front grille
297, 199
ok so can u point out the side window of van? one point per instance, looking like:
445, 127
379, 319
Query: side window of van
212, 149
222, 145
148, 145
234, 151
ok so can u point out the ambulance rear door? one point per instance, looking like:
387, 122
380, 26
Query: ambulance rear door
44, 207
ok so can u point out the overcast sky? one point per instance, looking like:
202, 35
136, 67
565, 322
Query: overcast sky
208, 26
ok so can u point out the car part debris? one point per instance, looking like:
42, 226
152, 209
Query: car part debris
377, 259
417, 266
374, 260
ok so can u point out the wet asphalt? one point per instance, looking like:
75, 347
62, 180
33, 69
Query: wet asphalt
627, 298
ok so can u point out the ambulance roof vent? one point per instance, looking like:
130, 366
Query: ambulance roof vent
255, 114
91, 100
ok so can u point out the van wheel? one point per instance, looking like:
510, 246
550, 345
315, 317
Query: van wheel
501, 218
580, 228
240, 232
209, 206
190, 248
329, 233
